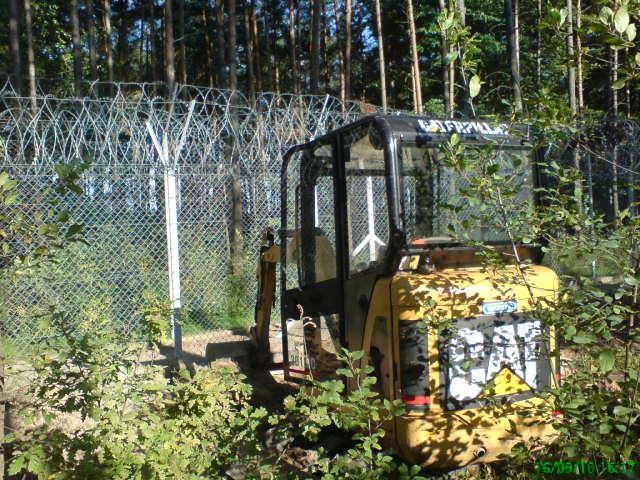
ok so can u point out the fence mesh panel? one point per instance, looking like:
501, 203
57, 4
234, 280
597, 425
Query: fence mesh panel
123, 269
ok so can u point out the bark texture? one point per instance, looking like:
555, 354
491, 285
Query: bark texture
415, 59
77, 52
169, 54
383, 75
14, 43
510, 10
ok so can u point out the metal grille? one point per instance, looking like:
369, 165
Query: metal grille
123, 204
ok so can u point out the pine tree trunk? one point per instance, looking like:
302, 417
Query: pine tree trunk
452, 83
77, 52
93, 62
236, 186
268, 52
232, 46
573, 108
248, 46
31, 63
347, 51
414, 57
444, 51
383, 76
340, 49
615, 113
571, 61
293, 52
514, 52
123, 44
152, 45
465, 101
256, 48
627, 88
108, 41
326, 71
315, 47
220, 57
14, 43
141, 45
208, 42
413, 84
183, 43
274, 47
539, 47
579, 56
169, 55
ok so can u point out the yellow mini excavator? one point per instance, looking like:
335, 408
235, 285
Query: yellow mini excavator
366, 257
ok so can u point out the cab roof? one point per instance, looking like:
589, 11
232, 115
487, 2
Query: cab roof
421, 129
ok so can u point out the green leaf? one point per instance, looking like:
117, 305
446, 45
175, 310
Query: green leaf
564, 13
73, 230
357, 355
618, 84
450, 57
604, 428
11, 199
620, 410
570, 332
9, 185
474, 86
607, 360
631, 32
4, 177
637, 58
16, 465
605, 15
493, 169
621, 19
582, 339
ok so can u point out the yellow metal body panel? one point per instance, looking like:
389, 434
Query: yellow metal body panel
449, 438
458, 438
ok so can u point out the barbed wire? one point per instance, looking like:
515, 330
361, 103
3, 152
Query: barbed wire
122, 208
124, 268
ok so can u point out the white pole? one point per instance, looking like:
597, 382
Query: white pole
370, 239
316, 213
371, 220
169, 158
173, 254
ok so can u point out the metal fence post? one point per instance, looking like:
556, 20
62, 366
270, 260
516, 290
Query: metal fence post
169, 158
173, 255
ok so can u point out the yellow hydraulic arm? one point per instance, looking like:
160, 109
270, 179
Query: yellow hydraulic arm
266, 276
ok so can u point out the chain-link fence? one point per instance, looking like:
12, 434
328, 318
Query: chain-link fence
123, 270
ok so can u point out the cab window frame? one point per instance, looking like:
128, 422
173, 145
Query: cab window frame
345, 153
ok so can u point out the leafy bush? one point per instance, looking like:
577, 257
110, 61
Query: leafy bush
360, 413
98, 412
593, 316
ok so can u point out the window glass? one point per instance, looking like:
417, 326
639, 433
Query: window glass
367, 210
311, 256
443, 202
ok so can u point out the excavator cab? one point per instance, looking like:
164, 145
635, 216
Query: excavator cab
370, 260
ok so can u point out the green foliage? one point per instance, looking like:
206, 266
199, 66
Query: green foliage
97, 412
595, 317
359, 410
156, 313
28, 236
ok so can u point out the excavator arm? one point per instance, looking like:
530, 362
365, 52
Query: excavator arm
266, 275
